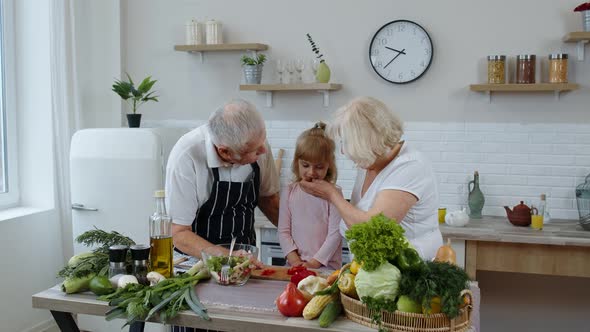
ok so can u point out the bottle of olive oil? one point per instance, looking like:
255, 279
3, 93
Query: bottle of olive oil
161, 238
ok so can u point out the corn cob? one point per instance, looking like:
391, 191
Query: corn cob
315, 306
346, 285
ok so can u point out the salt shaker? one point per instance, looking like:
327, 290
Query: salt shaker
117, 259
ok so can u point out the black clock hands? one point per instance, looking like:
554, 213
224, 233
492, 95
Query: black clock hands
393, 49
398, 54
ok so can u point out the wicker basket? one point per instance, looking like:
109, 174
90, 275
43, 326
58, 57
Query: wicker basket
399, 321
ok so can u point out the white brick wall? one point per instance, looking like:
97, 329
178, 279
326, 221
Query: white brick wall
515, 161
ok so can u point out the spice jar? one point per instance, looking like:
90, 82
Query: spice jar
525, 69
558, 68
140, 253
496, 69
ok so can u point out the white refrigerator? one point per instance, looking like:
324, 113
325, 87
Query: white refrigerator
113, 174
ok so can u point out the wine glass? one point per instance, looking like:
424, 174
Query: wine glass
280, 66
300, 67
290, 67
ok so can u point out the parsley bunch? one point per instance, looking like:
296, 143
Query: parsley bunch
376, 241
436, 279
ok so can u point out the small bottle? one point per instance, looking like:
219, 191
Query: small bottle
545, 210
161, 238
140, 254
117, 260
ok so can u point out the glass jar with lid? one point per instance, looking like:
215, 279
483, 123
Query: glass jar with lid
558, 68
496, 69
525, 68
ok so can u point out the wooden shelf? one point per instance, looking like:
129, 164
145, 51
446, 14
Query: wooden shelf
221, 47
201, 48
323, 88
557, 88
579, 37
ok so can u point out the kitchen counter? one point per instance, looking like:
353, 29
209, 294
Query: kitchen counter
247, 308
225, 315
561, 248
499, 229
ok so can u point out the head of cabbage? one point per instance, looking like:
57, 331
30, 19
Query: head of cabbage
381, 283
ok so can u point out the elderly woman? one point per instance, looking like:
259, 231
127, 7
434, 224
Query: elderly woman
393, 178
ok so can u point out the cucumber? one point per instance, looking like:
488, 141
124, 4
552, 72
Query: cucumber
330, 313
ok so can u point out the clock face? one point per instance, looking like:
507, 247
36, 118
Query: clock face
401, 51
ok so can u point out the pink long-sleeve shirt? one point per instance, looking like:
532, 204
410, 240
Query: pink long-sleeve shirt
309, 225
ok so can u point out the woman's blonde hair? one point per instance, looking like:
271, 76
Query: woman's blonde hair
367, 129
314, 146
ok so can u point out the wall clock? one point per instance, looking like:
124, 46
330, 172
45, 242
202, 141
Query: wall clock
401, 51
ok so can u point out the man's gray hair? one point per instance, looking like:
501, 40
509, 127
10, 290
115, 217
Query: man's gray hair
235, 123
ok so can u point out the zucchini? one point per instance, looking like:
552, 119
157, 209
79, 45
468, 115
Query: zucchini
330, 313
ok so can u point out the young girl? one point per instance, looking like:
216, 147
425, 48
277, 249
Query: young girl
308, 225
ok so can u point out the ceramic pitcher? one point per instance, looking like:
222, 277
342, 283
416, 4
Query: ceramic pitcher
475, 198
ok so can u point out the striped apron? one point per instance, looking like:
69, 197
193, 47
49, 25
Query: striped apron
228, 212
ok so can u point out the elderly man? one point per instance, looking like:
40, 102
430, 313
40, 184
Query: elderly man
216, 176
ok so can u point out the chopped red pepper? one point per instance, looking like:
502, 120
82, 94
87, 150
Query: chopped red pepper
267, 272
296, 269
300, 275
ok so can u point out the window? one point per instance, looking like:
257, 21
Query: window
9, 190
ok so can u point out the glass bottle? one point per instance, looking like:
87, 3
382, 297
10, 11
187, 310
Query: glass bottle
161, 238
140, 254
543, 205
475, 198
117, 260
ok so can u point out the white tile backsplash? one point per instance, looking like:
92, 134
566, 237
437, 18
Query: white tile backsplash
515, 161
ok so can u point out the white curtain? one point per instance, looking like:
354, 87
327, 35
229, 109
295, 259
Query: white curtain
65, 106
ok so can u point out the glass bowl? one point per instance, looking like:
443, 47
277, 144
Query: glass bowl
240, 263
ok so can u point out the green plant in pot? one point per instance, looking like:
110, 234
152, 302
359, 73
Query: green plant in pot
252, 66
135, 97
323, 71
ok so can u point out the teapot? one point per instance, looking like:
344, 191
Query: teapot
520, 215
458, 218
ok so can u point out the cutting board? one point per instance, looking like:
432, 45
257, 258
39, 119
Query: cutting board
280, 273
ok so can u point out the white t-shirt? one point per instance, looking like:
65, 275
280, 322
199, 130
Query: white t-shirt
189, 178
411, 172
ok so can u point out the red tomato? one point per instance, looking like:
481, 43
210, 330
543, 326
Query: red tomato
291, 302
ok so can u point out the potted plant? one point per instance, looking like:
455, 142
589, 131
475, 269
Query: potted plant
323, 71
584, 9
135, 96
253, 68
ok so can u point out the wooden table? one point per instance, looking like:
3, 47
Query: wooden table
223, 318
562, 248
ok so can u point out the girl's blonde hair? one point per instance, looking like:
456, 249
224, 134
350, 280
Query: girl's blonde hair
315, 146
367, 130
